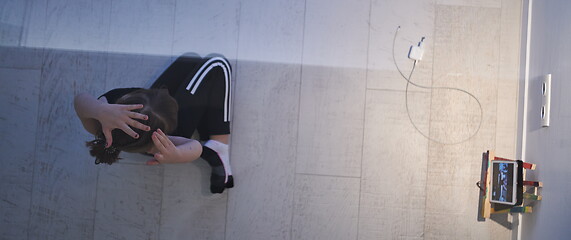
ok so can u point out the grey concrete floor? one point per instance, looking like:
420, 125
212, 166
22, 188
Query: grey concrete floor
322, 145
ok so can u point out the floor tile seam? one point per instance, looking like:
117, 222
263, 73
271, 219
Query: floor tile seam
429, 143
97, 177
43, 57
233, 87
95, 204
459, 5
160, 220
174, 15
299, 95
34, 160
501, 36
25, 23
160, 225
108, 40
39, 68
328, 175
44, 28
395, 90
364, 119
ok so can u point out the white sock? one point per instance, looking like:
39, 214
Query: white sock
223, 152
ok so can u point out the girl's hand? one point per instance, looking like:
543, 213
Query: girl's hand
98, 115
120, 116
167, 151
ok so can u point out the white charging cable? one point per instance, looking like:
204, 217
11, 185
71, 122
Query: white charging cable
416, 53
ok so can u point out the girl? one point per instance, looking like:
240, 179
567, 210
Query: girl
192, 94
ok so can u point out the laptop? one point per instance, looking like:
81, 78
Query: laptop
504, 182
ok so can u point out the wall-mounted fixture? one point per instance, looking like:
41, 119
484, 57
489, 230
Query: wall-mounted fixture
546, 100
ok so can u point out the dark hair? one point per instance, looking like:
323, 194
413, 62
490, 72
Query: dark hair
162, 111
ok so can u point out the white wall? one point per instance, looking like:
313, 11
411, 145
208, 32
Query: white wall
549, 147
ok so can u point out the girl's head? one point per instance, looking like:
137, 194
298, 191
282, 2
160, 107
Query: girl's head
161, 110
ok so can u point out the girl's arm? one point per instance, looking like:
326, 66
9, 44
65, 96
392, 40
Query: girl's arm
98, 115
174, 149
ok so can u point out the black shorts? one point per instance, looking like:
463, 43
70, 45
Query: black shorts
201, 87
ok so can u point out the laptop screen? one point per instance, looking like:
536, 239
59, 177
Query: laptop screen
504, 176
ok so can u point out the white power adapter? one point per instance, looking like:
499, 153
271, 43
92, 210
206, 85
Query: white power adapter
416, 52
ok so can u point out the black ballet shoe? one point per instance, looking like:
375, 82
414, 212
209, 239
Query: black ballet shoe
230, 182
217, 184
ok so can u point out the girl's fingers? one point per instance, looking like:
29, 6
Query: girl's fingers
133, 106
158, 142
161, 138
159, 157
137, 124
137, 115
129, 131
108, 137
134, 123
153, 162
165, 139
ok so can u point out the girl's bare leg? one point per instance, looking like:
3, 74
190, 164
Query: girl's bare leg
221, 138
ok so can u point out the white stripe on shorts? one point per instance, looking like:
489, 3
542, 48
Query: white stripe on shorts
203, 71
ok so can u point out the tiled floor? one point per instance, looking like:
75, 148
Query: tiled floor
322, 145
